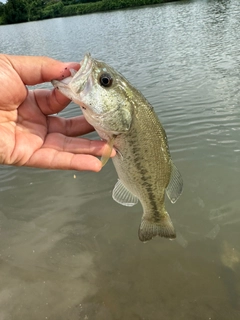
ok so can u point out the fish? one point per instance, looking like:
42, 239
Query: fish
124, 118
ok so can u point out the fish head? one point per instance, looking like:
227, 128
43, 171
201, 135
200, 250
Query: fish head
102, 93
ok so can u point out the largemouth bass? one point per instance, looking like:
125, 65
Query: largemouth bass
126, 120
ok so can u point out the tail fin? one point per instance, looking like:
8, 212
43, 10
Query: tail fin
163, 228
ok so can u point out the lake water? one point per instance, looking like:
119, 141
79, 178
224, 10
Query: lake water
67, 250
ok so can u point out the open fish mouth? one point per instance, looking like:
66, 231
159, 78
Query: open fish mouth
80, 78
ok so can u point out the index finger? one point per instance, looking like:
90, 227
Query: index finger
34, 69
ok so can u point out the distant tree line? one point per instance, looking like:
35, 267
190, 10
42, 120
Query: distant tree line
15, 11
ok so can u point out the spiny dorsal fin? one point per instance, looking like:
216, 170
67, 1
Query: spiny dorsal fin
121, 195
175, 185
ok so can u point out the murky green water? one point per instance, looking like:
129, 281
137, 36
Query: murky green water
67, 250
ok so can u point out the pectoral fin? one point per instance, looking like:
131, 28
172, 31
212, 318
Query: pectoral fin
175, 185
105, 157
121, 195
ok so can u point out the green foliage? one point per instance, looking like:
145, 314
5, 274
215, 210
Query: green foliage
34, 8
120, 4
1, 9
81, 8
52, 10
86, 1
15, 11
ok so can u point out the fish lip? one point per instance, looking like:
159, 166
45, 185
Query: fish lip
86, 64
73, 86
80, 79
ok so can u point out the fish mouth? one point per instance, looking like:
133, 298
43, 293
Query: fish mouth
75, 83
80, 79
86, 65
76, 86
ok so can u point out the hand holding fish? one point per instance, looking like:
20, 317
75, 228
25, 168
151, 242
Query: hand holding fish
29, 133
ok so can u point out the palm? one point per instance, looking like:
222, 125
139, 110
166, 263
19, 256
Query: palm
25, 132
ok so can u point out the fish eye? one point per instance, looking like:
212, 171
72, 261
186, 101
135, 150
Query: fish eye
106, 80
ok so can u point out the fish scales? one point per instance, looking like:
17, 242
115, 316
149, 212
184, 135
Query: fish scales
142, 148
122, 116
141, 154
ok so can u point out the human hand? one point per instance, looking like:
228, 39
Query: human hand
29, 133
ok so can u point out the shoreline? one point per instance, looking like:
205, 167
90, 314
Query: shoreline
59, 9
